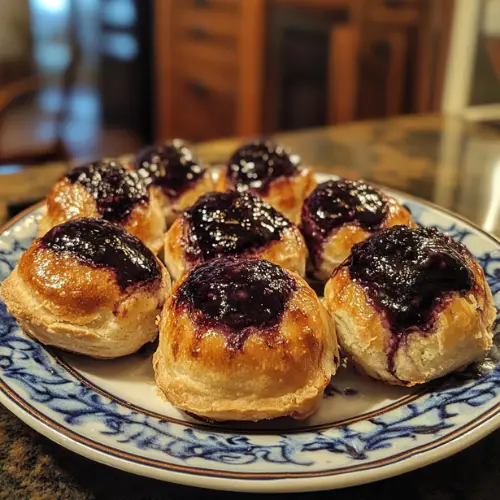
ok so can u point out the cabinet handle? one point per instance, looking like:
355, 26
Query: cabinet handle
392, 3
198, 88
201, 3
198, 32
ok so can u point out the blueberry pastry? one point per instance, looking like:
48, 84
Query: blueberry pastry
411, 305
171, 170
233, 223
340, 213
89, 287
269, 171
110, 191
244, 339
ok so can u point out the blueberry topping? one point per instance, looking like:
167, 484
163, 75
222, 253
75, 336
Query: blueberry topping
334, 203
100, 244
237, 297
115, 189
231, 223
256, 164
171, 166
409, 275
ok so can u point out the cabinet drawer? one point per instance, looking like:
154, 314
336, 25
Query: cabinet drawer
232, 6
204, 74
218, 55
215, 24
200, 112
204, 33
394, 11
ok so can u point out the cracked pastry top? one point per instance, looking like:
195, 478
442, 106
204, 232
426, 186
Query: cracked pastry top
89, 287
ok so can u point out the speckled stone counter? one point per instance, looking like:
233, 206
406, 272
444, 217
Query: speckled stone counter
447, 161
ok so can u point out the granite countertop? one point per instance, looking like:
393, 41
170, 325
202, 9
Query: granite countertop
450, 162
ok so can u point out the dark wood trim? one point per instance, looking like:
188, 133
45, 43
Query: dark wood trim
423, 76
163, 15
251, 67
433, 44
343, 60
396, 76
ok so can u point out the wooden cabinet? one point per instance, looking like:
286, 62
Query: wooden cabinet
384, 65
209, 55
363, 66
296, 78
246, 67
203, 111
363, 59
400, 12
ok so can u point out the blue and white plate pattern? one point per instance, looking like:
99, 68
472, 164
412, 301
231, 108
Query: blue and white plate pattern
111, 412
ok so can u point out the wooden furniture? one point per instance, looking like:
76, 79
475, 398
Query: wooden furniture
246, 67
209, 57
381, 57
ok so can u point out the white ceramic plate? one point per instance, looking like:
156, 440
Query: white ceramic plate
111, 412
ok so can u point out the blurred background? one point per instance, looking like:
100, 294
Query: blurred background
80, 79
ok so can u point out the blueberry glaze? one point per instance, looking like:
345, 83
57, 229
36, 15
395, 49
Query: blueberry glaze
237, 296
409, 274
256, 164
334, 203
231, 223
171, 166
115, 189
100, 244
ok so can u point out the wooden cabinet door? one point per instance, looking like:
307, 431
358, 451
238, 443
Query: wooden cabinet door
209, 57
367, 76
384, 64
297, 83
343, 74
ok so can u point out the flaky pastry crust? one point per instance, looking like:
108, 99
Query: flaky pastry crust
461, 333
338, 246
270, 376
289, 251
67, 201
79, 308
172, 207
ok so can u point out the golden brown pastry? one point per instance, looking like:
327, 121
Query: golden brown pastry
178, 178
106, 189
272, 173
244, 339
411, 305
233, 223
340, 213
89, 287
